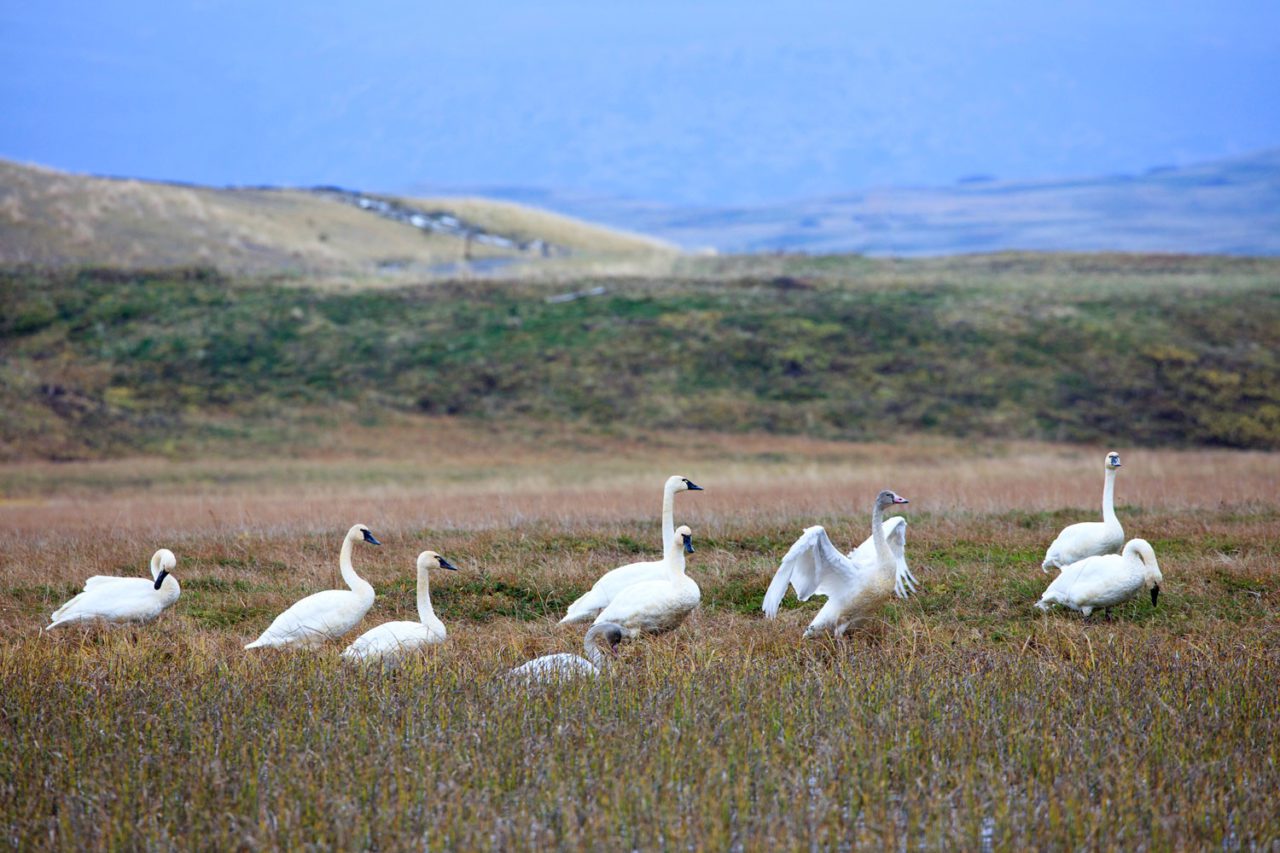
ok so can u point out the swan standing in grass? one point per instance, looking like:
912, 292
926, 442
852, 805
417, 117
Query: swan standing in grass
1090, 538
611, 583
325, 615
855, 584
391, 639
124, 599
1105, 581
657, 606
601, 640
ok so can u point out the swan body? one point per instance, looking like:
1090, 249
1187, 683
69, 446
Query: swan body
1105, 581
589, 605
1090, 538
324, 615
600, 640
854, 584
657, 606
392, 639
113, 599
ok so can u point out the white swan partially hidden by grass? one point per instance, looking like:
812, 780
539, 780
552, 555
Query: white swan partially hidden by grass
1090, 538
600, 643
325, 615
392, 639
113, 599
657, 606
854, 584
1100, 583
587, 607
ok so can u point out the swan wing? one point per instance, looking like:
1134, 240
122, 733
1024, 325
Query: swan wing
590, 603
895, 532
552, 668
113, 599
315, 618
392, 638
812, 565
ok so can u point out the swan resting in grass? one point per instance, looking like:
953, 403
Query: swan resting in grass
325, 615
586, 608
600, 643
855, 584
392, 639
1102, 582
113, 599
657, 606
1090, 538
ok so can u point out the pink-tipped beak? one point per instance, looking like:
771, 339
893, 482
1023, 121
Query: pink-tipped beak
899, 499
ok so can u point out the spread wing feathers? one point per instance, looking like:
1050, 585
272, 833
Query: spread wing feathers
810, 562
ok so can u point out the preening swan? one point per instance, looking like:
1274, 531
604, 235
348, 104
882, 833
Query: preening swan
855, 584
601, 641
1105, 581
1090, 538
611, 583
653, 607
391, 639
325, 615
124, 599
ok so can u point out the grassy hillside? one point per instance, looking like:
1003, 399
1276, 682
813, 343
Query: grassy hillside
56, 219
1152, 351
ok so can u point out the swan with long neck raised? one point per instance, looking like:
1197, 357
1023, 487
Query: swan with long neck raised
325, 615
1100, 583
854, 584
392, 639
587, 607
657, 606
1090, 538
114, 599
600, 644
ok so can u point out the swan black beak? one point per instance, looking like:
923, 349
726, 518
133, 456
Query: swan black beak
368, 537
445, 564
693, 487
164, 573
688, 544
1155, 593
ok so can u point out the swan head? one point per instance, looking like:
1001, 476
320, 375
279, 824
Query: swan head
676, 483
605, 636
686, 538
1112, 462
888, 498
1141, 550
361, 532
162, 562
432, 560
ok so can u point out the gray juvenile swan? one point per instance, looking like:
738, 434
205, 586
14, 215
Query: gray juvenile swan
600, 643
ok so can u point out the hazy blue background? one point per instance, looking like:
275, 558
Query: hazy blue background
681, 103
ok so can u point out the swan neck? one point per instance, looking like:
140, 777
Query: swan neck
353, 580
1109, 497
425, 610
883, 556
594, 655
668, 521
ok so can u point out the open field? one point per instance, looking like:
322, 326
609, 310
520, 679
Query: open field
963, 719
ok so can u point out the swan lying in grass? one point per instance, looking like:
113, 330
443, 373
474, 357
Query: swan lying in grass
114, 599
855, 584
657, 606
601, 640
1090, 538
392, 639
325, 615
611, 583
1103, 582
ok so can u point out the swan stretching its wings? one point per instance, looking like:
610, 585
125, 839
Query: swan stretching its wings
611, 583
654, 607
1090, 538
601, 640
391, 639
114, 599
1107, 580
853, 584
325, 615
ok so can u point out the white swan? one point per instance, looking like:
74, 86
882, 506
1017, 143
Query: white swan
657, 606
1090, 538
601, 640
124, 599
391, 639
854, 584
1107, 580
611, 583
325, 615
